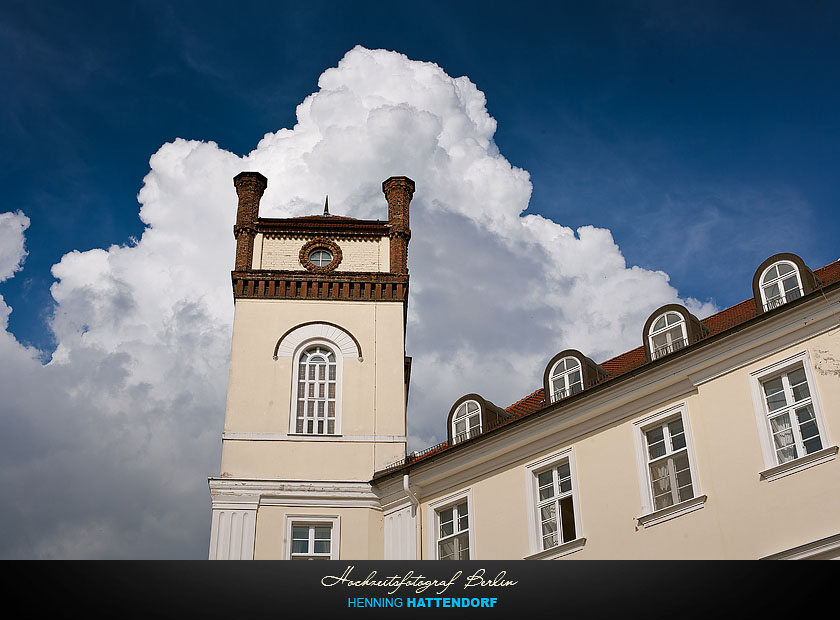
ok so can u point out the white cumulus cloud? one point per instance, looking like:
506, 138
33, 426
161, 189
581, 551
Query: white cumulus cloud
111, 460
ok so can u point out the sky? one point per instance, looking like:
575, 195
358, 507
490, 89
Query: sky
577, 166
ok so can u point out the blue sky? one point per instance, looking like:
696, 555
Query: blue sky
620, 112
590, 149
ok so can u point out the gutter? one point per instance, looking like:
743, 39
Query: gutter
418, 519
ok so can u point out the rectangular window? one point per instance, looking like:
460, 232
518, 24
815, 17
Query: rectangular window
669, 471
554, 528
668, 478
556, 508
791, 420
791, 429
454, 532
311, 537
311, 542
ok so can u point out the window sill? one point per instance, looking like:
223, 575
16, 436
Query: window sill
671, 512
558, 551
796, 465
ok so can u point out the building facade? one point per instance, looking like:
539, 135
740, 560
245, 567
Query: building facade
714, 439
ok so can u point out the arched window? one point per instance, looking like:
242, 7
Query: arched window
780, 283
566, 378
316, 393
466, 422
667, 334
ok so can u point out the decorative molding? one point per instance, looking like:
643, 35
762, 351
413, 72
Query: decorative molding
796, 465
254, 492
559, 551
346, 342
270, 284
229, 436
232, 531
671, 512
317, 244
812, 550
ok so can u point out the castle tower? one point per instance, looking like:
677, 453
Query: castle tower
318, 380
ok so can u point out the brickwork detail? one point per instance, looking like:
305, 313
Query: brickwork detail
302, 285
398, 192
315, 244
358, 254
249, 188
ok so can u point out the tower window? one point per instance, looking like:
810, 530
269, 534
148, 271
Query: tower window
320, 258
317, 385
780, 284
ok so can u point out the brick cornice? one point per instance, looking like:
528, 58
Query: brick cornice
320, 225
270, 284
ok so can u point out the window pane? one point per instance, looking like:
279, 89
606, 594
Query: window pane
774, 394
656, 442
446, 550
462, 546
683, 476
772, 291
567, 519
771, 274
660, 323
783, 438
677, 434
784, 268
463, 518
300, 546
808, 429
322, 546
548, 525
660, 485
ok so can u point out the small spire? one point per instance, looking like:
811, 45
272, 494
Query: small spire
327, 205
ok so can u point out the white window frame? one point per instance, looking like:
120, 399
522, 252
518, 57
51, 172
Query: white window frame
782, 296
320, 262
651, 516
469, 432
339, 371
532, 471
309, 520
773, 469
667, 349
564, 375
433, 518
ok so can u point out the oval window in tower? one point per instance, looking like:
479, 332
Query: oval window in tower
320, 257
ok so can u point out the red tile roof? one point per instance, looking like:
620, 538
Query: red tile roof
630, 360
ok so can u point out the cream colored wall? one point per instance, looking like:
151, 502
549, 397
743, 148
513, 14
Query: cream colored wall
361, 531
364, 255
744, 517
260, 391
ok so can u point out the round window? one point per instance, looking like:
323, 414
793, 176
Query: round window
320, 257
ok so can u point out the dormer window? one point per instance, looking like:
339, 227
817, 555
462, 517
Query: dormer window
667, 334
466, 422
566, 378
780, 284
